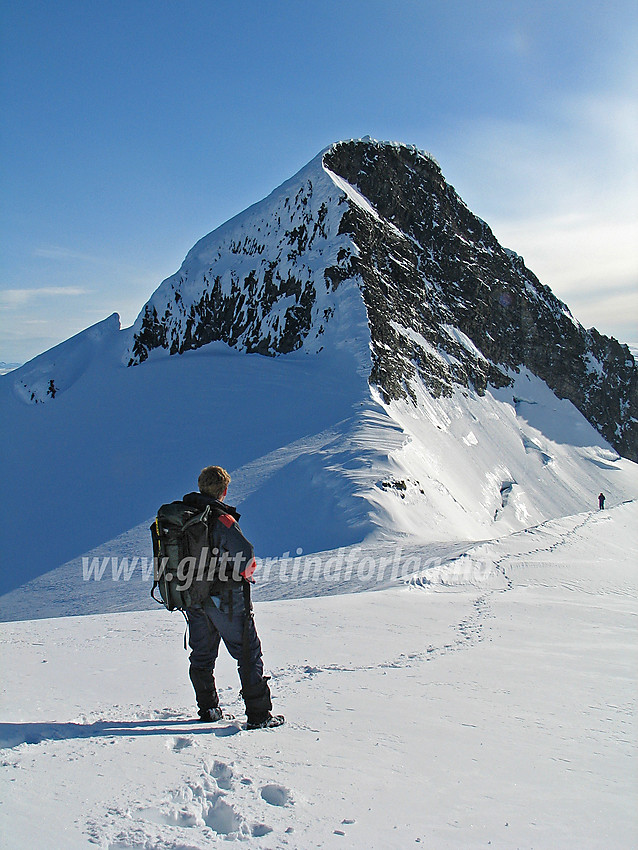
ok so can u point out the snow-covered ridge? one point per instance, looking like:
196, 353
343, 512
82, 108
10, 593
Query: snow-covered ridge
431, 387
54, 371
264, 282
318, 462
376, 221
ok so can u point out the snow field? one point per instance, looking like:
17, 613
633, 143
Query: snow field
317, 460
440, 714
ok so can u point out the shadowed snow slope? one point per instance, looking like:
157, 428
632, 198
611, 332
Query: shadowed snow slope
361, 354
484, 702
318, 461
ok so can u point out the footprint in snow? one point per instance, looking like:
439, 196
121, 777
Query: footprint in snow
206, 804
276, 795
260, 829
222, 818
178, 744
222, 773
200, 804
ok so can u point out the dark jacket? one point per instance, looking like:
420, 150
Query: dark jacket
235, 554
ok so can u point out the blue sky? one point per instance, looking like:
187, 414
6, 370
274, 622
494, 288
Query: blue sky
131, 129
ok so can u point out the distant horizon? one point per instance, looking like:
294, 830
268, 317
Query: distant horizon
132, 130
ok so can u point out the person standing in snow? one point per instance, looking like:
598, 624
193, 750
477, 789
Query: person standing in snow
221, 611
601, 501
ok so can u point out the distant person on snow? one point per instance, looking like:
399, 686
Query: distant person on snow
223, 611
601, 501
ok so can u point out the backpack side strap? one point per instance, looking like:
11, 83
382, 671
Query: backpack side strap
248, 616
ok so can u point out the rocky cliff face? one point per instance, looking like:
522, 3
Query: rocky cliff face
479, 312
265, 282
442, 299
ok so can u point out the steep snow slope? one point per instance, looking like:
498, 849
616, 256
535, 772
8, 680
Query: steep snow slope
402, 406
55, 371
99, 458
499, 714
317, 464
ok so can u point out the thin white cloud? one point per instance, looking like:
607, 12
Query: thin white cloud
12, 298
56, 252
577, 253
605, 313
561, 191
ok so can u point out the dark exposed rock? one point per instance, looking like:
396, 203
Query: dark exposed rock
444, 300
245, 309
446, 268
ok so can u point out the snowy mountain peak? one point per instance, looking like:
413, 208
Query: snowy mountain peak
369, 247
419, 381
265, 282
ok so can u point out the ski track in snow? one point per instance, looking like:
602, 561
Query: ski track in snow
236, 785
225, 799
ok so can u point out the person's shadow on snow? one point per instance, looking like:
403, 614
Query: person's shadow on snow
14, 734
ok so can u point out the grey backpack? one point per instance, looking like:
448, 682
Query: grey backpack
184, 563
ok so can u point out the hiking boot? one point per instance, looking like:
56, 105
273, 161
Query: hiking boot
212, 715
270, 721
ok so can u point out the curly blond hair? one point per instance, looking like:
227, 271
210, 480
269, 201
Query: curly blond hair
213, 481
